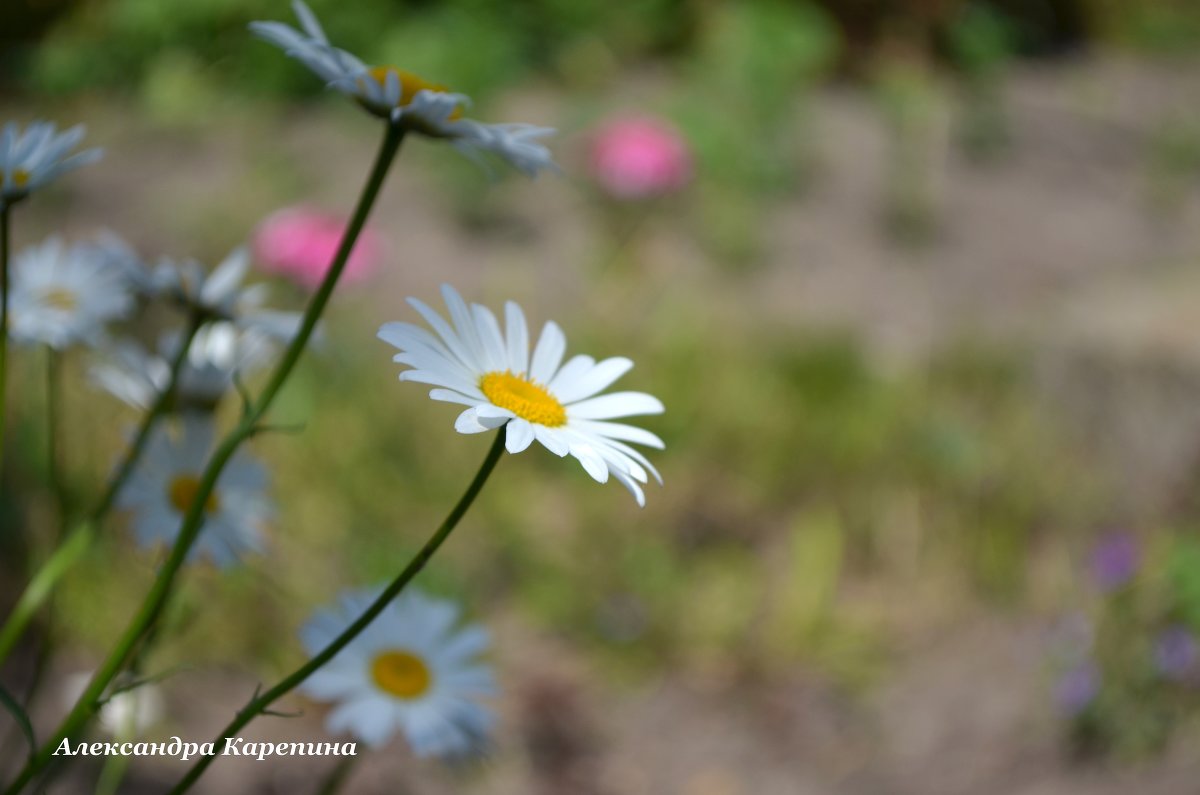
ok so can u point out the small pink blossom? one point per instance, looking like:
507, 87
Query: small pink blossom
640, 157
300, 243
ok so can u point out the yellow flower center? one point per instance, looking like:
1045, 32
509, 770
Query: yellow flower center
182, 493
527, 399
61, 298
410, 84
20, 177
402, 674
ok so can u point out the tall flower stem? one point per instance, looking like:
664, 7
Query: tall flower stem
249, 425
4, 245
261, 702
53, 405
79, 540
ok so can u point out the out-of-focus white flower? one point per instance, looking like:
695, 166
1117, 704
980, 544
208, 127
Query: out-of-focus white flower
31, 158
64, 295
165, 483
404, 98
411, 671
218, 352
125, 716
475, 364
220, 293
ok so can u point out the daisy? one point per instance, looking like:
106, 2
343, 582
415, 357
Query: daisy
411, 670
62, 295
218, 351
404, 98
220, 294
30, 159
490, 371
163, 486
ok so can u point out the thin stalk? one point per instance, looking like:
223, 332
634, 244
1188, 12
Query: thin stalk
336, 779
4, 244
80, 539
261, 702
160, 590
53, 413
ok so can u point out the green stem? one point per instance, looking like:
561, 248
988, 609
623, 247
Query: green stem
160, 590
79, 540
336, 779
261, 702
53, 404
4, 244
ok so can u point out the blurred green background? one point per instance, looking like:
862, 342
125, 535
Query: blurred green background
924, 323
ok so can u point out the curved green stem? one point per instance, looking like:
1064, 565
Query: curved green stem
160, 590
53, 403
80, 539
261, 702
4, 244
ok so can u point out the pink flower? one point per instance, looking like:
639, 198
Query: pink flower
640, 157
300, 243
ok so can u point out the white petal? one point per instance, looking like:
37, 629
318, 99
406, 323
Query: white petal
618, 404
594, 380
468, 422
518, 338
519, 435
548, 354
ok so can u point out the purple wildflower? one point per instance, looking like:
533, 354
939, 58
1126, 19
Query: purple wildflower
1077, 688
1115, 560
1176, 653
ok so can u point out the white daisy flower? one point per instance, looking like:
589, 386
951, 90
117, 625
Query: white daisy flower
30, 159
163, 485
118, 255
61, 295
220, 294
404, 98
411, 670
218, 352
127, 715
490, 371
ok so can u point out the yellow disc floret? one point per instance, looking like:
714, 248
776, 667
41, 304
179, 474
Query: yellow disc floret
61, 298
401, 674
410, 84
527, 399
182, 493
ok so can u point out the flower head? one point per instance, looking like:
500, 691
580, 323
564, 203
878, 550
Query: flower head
404, 98
411, 671
300, 243
64, 295
30, 159
1176, 654
640, 157
218, 352
1115, 560
127, 714
491, 372
167, 479
1078, 688
220, 294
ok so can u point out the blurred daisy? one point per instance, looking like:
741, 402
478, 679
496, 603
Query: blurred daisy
62, 295
30, 159
127, 715
490, 371
218, 351
411, 671
404, 98
163, 486
220, 293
